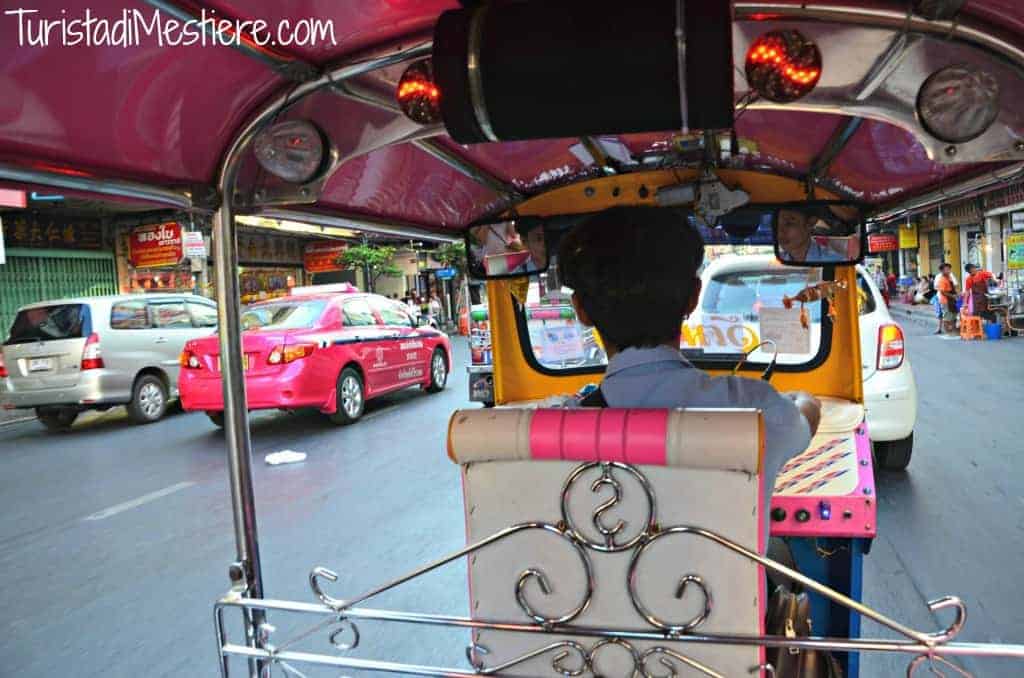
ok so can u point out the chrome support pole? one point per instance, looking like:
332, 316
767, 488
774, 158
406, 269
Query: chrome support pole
358, 222
236, 417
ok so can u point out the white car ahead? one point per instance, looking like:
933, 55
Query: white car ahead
728, 315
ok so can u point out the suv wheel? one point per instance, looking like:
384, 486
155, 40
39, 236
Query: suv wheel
351, 400
438, 371
894, 455
57, 419
149, 399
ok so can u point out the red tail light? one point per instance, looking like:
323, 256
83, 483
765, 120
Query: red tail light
92, 356
290, 353
3, 368
890, 347
189, 360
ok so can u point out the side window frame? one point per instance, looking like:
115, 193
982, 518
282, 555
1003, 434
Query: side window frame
379, 305
145, 308
189, 303
344, 315
166, 302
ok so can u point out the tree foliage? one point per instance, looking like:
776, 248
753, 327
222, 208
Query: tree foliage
451, 255
376, 262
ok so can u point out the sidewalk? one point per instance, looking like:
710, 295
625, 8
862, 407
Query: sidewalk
922, 313
14, 416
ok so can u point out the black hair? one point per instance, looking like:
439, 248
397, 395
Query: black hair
634, 271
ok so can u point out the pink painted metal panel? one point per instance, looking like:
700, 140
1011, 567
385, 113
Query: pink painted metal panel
404, 183
528, 165
357, 25
851, 515
883, 162
148, 112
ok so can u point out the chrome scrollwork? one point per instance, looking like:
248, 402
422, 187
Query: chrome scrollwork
609, 535
345, 625
684, 583
953, 630
314, 583
935, 665
665, 657
567, 647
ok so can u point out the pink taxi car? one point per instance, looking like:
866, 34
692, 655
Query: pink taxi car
325, 350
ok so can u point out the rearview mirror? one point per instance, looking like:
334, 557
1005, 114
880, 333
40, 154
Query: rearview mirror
819, 233
507, 248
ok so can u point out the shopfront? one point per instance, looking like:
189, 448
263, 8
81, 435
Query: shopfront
151, 258
269, 264
50, 258
909, 256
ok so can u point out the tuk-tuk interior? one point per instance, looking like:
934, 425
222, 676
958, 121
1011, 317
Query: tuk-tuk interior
533, 110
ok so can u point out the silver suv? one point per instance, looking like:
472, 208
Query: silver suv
65, 356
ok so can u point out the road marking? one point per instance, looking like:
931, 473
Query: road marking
138, 501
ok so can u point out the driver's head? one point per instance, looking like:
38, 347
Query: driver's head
794, 229
538, 247
633, 271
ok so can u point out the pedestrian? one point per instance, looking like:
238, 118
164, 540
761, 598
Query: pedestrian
435, 306
946, 297
976, 292
921, 291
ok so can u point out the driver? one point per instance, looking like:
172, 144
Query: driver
537, 245
633, 271
796, 244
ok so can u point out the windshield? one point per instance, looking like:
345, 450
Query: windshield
742, 304
285, 315
48, 323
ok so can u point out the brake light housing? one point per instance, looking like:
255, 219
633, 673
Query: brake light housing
290, 353
92, 355
189, 360
783, 66
3, 368
890, 346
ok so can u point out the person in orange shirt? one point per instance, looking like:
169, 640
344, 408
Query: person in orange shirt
946, 289
976, 291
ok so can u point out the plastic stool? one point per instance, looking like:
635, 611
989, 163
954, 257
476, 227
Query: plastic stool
971, 327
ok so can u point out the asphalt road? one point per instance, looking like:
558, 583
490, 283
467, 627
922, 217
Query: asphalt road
115, 539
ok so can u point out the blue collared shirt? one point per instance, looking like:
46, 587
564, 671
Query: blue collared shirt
661, 377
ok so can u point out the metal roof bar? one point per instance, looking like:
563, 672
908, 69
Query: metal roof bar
833, 147
358, 222
76, 180
601, 158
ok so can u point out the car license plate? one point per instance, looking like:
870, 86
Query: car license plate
40, 364
246, 362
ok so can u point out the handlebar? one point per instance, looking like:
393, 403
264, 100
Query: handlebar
770, 370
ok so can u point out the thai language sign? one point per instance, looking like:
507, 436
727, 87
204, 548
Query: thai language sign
882, 242
321, 257
155, 246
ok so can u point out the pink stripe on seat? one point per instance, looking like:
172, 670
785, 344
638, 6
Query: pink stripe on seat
628, 436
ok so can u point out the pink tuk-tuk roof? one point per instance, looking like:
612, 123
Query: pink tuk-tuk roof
167, 115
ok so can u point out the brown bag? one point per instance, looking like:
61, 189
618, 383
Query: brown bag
789, 614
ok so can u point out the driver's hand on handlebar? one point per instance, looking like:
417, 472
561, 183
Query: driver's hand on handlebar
809, 406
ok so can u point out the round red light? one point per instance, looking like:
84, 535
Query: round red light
783, 66
418, 96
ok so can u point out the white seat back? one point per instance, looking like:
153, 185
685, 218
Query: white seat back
503, 489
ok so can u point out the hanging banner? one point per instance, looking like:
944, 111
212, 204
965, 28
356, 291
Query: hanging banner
908, 236
882, 242
155, 246
324, 256
1015, 252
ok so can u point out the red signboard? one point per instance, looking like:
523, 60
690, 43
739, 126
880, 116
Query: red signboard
155, 246
324, 256
883, 242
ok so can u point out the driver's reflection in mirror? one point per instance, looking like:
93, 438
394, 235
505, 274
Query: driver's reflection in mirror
537, 246
797, 243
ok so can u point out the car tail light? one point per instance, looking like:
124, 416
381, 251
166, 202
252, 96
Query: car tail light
3, 368
92, 356
890, 347
189, 360
290, 353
